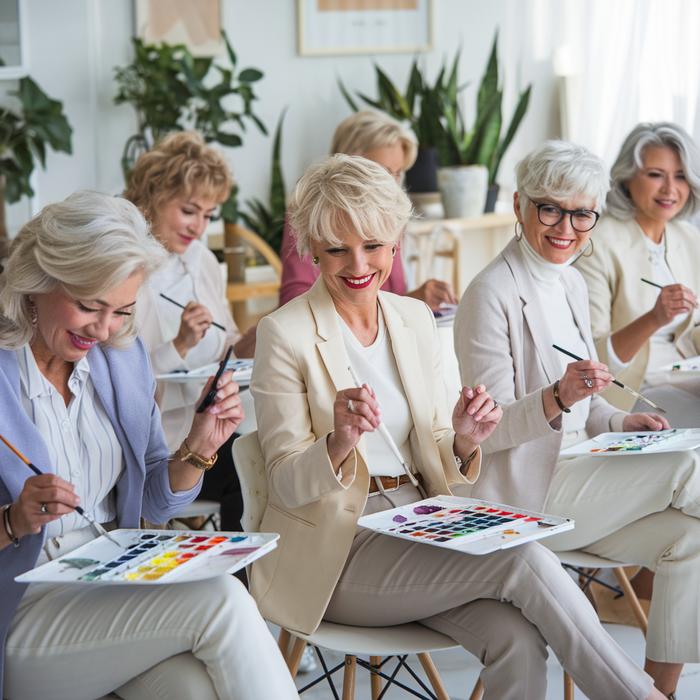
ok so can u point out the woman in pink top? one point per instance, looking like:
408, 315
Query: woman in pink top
380, 138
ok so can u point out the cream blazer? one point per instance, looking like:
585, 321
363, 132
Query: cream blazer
503, 341
618, 296
300, 365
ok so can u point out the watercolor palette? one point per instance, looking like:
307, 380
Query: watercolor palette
636, 443
690, 367
148, 557
242, 371
469, 525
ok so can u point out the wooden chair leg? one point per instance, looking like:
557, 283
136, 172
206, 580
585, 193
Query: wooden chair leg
568, 687
283, 642
478, 690
632, 599
349, 678
433, 676
294, 656
375, 680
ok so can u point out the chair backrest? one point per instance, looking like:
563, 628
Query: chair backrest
250, 465
255, 241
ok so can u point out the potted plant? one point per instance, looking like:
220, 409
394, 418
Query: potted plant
421, 105
24, 137
472, 157
171, 90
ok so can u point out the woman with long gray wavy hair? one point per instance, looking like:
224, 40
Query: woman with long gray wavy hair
77, 398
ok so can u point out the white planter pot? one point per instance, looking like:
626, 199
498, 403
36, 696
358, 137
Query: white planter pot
463, 189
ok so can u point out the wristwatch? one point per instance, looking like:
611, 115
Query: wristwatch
196, 460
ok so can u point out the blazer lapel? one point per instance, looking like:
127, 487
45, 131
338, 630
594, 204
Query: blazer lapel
532, 311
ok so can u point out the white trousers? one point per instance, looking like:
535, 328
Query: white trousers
191, 641
641, 510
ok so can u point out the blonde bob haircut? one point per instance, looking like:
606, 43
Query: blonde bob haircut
181, 165
630, 160
559, 170
85, 245
347, 192
364, 131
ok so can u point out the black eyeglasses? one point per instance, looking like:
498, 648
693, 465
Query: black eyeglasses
582, 220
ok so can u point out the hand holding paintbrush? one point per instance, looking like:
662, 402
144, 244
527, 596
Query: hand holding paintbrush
673, 299
44, 498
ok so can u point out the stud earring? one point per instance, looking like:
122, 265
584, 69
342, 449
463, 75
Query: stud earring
315, 260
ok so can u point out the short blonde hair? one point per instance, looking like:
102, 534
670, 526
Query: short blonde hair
558, 170
347, 191
178, 166
364, 131
85, 245
630, 160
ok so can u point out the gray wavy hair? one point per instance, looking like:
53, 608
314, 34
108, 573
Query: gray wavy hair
343, 191
86, 245
559, 170
630, 160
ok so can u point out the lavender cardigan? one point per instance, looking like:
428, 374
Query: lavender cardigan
124, 383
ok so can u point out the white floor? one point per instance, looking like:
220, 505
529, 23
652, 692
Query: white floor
460, 670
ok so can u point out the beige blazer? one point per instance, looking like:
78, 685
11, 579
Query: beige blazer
300, 365
618, 296
503, 341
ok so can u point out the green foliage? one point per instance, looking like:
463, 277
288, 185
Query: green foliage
267, 220
24, 136
171, 90
436, 117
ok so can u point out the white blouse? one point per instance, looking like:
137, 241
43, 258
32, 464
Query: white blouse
81, 442
193, 276
375, 365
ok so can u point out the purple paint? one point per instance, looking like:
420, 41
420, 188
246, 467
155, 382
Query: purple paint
426, 510
239, 551
399, 519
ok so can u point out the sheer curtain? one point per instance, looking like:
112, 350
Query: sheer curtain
626, 61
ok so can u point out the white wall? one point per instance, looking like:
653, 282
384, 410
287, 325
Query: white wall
74, 45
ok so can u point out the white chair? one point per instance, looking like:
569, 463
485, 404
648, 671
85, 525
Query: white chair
587, 566
201, 508
380, 644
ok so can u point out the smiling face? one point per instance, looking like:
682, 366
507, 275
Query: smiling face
355, 270
182, 220
68, 328
659, 189
558, 243
391, 158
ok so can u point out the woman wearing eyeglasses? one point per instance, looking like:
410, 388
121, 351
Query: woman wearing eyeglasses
641, 509
641, 330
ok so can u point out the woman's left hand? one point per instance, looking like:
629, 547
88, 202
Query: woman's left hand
644, 421
217, 423
475, 414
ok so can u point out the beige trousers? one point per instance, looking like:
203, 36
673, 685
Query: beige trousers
641, 510
504, 607
191, 641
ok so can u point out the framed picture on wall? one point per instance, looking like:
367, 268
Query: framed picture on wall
13, 45
197, 25
335, 27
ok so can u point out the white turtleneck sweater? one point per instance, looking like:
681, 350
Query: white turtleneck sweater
560, 320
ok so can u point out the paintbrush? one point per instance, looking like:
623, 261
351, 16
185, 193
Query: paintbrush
384, 432
177, 303
653, 284
617, 382
78, 509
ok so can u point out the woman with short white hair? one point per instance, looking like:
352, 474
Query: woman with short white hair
77, 398
641, 330
641, 509
327, 465
384, 140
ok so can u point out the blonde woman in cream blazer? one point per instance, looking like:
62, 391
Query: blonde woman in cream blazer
640, 509
324, 463
639, 330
